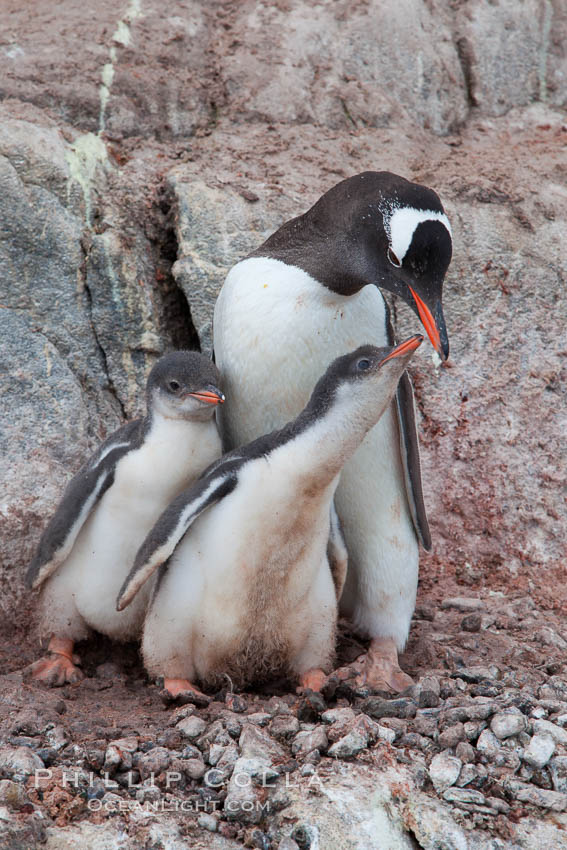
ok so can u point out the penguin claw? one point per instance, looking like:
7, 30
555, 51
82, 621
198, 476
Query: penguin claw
182, 692
54, 670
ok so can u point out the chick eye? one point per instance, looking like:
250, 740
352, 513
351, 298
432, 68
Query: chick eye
363, 365
174, 386
393, 259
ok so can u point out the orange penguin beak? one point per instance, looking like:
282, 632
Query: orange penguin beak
405, 347
209, 396
434, 326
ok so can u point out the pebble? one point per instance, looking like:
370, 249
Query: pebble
259, 718
464, 795
349, 746
488, 743
400, 708
208, 822
444, 770
192, 727
386, 734
558, 773
194, 768
306, 742
463, 603
465, 752
451, 736
338, 715
554, 800
425, 725
545, 727
288, 844
475, 674
469, 773
191, 752
471, 623
256, 743
12, 794
508, 724
236, 703
539, 751
284, 726
19, 760
155, 761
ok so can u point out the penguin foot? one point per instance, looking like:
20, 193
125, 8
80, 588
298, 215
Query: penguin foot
58, 667
312, 680
182, 691
382, 671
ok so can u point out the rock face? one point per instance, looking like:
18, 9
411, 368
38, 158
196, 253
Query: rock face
143, 152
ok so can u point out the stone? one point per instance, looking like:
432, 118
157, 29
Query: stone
12, 794
425, 725
194, 768
451, 736
155, 761
444, 770
471, 623
19, 761
463, 603
399, 708
259, 718
284, 726
465, 752
539, 751
488, 743
192, 727
553, 800
306, 742
558, 773
207, 822
256, 743
350, 745
288, 843
505, 725
545, 727
464, 795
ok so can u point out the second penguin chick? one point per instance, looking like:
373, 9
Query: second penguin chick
108, 508
245, 587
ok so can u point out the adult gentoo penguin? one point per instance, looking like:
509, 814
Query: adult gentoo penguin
307, 295
246, 587
109, 506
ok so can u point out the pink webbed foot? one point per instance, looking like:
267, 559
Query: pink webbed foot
58, 667
312, 680
381, 670
182, 691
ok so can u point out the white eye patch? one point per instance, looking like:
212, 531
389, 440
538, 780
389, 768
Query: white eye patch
402, 225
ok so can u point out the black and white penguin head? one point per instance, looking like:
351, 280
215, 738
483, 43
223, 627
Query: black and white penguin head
375, 228
184, 385
363, 382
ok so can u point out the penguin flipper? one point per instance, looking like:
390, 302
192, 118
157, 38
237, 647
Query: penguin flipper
337, 553
80, 497
172, 526
409, 447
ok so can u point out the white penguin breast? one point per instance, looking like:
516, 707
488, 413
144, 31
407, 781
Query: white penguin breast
147, 479
276, 330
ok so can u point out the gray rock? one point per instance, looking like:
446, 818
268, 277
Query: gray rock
194, 768
259, 718
465, 752
488, 743
558, 773
207, 822
539, 751
19, 761
350, 745
545, 727
451, 736
256, 743
155, 761
463, 603
444, 770
306, 742
12, 794
462, 795
505, 725
425, 725
554, 800
192, 727
399, 708
288, 843
284, 726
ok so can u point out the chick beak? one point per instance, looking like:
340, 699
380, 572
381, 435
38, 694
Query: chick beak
405, 347
210, 395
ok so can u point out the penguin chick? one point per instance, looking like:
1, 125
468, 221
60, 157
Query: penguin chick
245, 586
110, 505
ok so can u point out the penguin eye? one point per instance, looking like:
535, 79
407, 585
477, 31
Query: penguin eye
363, 365
174, 386
393, 259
